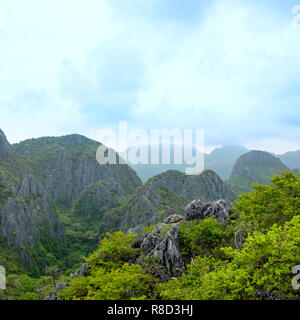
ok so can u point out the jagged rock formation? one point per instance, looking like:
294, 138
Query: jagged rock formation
169, 255
149, 243
163, 244
4, 145
44, 178
255, 166
206, 186
201, 210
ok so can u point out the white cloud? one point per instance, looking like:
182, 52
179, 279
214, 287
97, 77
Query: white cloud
232, 69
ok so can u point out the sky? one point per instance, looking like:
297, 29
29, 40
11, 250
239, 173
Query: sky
229, 67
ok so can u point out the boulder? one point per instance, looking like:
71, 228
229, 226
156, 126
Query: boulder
201, 210
174, 218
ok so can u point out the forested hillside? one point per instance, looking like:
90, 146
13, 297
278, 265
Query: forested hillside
248, 256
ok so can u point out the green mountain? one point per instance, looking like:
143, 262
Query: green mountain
222, 160
45, 186
291, 159
168, 193
67, 165
252, 167
206, 186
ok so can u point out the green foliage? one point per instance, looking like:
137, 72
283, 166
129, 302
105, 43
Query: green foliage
264, 264
201, 237
149, 229
10, 258
125, 283
267, 205
24, 287
111, 277
115, 249
187, 286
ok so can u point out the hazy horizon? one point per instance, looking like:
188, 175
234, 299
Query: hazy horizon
230, 68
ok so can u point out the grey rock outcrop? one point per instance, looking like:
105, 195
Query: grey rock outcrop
80, 272
201, 210
169, 255
53, 296
165, 248
149, 242
174, 218
4, 145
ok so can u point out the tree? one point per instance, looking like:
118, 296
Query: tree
53, 271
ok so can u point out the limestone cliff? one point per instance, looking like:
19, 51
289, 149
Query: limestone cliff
67, 165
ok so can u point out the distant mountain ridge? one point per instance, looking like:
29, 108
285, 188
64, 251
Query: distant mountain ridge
291, 159
220, 160
254, 166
